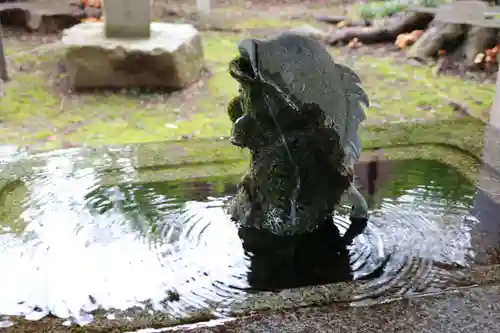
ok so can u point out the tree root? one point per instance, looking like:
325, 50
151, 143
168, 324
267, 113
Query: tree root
388, 32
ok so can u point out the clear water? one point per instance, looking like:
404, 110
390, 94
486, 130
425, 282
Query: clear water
70, 245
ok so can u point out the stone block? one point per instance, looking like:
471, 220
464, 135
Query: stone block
171, 58
37, 17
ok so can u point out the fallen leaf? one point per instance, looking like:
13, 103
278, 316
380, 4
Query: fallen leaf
490, 52
479, 58
417, 33
92, 3
401, 41
92, 19
341, 24
404, 40
354, 43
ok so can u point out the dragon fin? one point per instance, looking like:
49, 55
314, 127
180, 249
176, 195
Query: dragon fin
355, 97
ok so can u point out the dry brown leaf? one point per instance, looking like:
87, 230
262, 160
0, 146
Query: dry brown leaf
92, 3
92, 19
491, 55
489, 60
416, 34
490, 52
479, 58
354, 43
403, 41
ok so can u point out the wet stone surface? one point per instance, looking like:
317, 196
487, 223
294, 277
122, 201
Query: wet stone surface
474, 310
74, 245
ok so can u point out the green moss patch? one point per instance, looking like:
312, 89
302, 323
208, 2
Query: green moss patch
400, 92
37, 113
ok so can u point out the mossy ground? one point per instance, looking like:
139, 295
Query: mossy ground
37, 113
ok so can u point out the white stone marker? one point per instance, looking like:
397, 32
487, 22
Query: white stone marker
127, 18
204, 6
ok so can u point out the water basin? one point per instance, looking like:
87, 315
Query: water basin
74, 240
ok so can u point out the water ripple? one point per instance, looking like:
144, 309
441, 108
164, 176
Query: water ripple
84, 246
416, 249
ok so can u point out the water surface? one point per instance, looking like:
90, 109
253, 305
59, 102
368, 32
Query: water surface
70, 245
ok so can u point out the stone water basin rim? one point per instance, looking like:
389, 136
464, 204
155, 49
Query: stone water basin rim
157, 156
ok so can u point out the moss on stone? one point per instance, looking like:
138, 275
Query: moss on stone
465, 134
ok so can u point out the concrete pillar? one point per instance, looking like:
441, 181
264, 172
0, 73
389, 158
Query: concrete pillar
495, 108
485, 228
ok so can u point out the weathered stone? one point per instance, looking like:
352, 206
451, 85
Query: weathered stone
36, 17
13, 14
172, 58
51, 20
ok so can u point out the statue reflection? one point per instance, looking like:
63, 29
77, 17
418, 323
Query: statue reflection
485, 228
279, 262
319, 257
372, 176
484, 222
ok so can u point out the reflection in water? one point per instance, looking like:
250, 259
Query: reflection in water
71, 260
86, 246
484, 220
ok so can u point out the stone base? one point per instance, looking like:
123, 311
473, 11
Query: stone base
172, 58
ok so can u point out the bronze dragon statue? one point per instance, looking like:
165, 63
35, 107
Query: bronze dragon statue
298, 113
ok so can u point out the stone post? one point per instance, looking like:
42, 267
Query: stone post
127, 18
204, 6
3, 64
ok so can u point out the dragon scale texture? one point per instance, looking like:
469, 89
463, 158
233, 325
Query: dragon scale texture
298, 113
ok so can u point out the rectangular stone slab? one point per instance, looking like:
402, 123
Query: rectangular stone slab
171, 58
